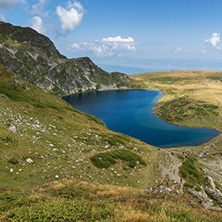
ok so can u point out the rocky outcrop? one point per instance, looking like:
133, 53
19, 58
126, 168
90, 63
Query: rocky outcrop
34, 57
207, 196
27, 36
214, 194
200, 196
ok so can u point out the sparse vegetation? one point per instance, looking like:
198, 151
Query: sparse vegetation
184, 107
191, 98
180, 156
72, 201
50, 141
188, 185
188, 168
198, 189
13, 161
191, 171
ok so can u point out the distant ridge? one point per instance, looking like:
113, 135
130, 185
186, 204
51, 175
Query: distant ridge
34, 57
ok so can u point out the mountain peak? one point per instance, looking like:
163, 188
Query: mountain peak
34, 57
27, 35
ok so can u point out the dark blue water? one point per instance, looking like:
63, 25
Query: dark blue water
131, 112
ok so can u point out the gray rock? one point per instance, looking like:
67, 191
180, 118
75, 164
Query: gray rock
216, 194
59, 73
197, 195
29, 160
13, 129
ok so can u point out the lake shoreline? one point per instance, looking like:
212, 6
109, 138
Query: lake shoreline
154, 101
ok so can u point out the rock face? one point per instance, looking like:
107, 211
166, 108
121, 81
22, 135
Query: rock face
215, 194
34, 57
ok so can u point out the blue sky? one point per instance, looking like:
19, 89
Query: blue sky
143, 34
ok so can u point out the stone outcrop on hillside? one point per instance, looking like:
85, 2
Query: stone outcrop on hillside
34, 57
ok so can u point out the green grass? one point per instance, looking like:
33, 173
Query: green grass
188, 168
188, 185
191, 98
218, 185
13, 161
105, 160
79, 151
59, 139
180, 156
71, 201
80, 211
198, 189
20, 91
191, 171
70, 192
168, 79
184, 107
114, 139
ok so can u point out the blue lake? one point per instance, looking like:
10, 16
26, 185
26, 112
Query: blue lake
131, 112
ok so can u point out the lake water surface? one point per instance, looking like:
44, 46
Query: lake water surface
131, 112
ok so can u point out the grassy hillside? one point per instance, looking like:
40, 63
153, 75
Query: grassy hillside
73, 201
192, 98
61, 142
47, 148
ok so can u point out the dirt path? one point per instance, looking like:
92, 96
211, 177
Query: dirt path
172, 172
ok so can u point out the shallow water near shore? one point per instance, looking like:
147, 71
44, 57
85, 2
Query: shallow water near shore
131, 112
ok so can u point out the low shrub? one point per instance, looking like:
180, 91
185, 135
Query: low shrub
77, 211
198, 189
105, 160
188, 185
13, 161
188, 168
180, 156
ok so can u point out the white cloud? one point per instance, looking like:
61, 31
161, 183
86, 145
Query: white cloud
37, 24
178, 49
38, 9
214, 41
98, 50
2, 18
118, 39
106, 47
8, 4
203, 52
119, 43
75, 45
71, 16
75, 4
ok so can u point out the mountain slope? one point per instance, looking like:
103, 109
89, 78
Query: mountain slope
33, 57
73, 201
43, 140
60, 141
